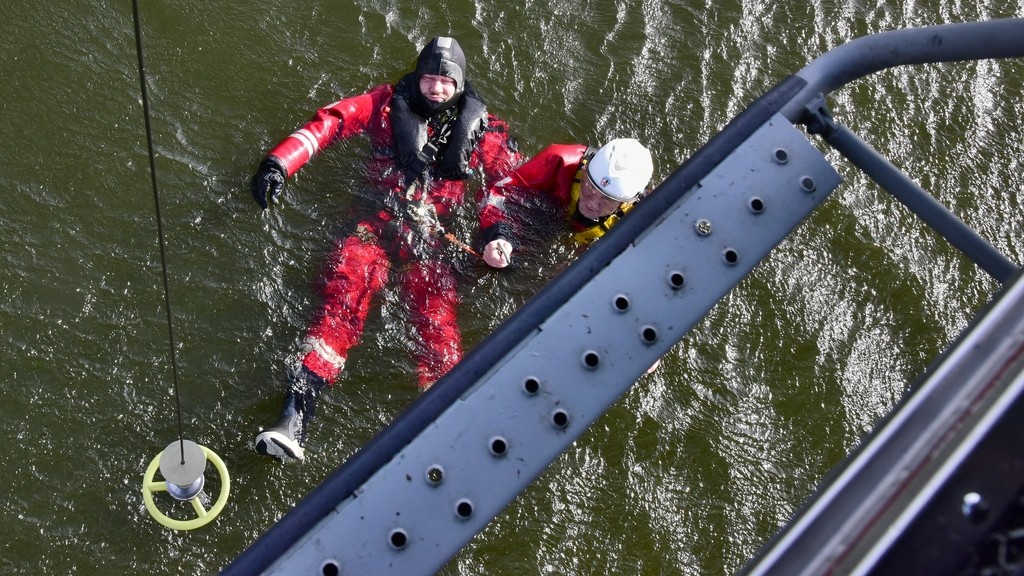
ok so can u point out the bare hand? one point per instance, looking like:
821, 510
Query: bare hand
654, 366
498, 253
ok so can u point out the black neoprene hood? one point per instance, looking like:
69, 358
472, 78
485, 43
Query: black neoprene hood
443, 56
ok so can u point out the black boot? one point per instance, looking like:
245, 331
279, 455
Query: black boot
285, 438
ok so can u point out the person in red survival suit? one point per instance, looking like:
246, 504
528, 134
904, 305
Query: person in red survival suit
429, 132
595, 188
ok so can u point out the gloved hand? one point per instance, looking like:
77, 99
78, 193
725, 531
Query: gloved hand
268, 183
498, 253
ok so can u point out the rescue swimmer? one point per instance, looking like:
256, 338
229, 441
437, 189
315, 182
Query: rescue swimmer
596, 187
428, 133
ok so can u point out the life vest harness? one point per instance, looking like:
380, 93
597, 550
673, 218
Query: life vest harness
439, 128
430, 146
455, 133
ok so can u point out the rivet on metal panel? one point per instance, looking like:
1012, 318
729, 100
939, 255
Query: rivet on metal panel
807, 184
648, 334
730, 256
560, 418
498, 446
780, 156
676, 279
756, 205
531, 385
463, 509
434, 474
330, 568
591, 359
703, 227
398, 539
974, 507
621, 302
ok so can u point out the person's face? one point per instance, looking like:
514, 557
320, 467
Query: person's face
593, 203
437, 88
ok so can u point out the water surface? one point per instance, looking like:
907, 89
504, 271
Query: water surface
690, 473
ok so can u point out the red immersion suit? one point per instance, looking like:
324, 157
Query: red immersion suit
408, 227
554, 172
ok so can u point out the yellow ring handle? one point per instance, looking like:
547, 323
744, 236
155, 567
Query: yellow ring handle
203, 516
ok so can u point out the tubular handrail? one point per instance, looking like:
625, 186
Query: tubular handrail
1001, 38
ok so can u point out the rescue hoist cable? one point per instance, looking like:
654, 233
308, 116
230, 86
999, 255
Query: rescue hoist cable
159, 219
182, 463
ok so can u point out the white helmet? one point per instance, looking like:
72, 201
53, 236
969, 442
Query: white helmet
621, 169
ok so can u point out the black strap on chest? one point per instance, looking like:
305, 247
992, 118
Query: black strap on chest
439, 128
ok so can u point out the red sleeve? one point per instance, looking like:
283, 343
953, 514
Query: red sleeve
341, 119
497, 153
550, 172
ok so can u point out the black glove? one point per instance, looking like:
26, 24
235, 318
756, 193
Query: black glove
268, 183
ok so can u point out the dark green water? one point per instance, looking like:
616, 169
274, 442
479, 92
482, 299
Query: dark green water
689, 474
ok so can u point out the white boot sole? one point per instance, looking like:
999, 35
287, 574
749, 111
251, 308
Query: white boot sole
273, 443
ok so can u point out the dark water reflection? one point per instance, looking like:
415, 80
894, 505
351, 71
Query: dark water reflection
689, 474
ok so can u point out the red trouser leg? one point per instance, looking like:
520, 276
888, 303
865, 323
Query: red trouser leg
431, 292
358, 270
